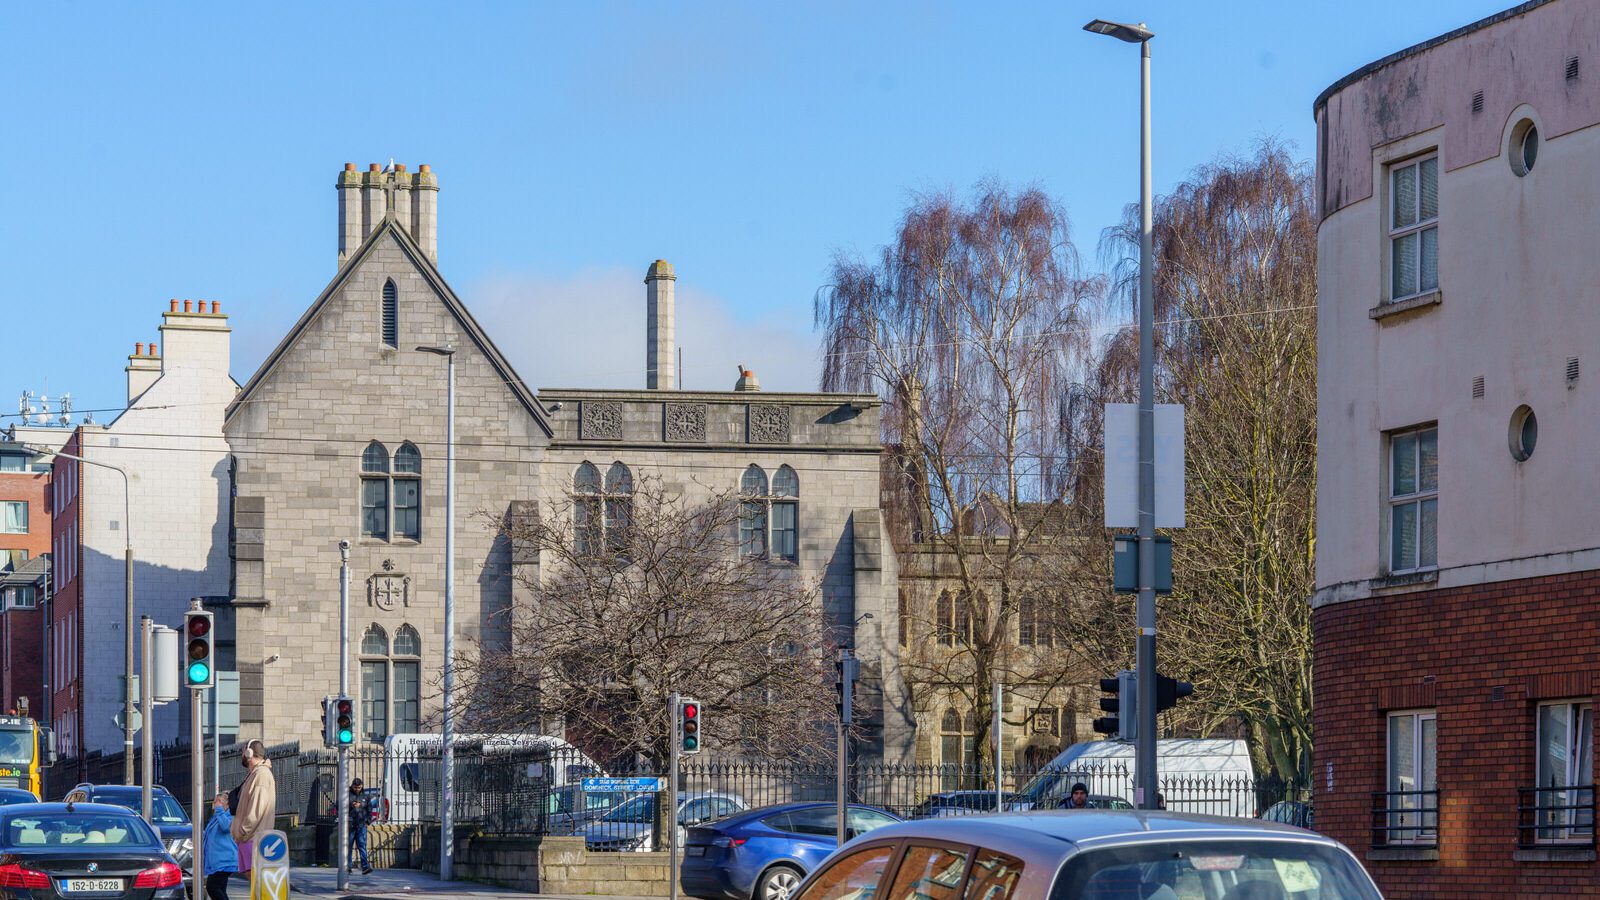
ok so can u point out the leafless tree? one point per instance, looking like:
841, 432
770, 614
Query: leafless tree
641, 596
1235, 291
972, 325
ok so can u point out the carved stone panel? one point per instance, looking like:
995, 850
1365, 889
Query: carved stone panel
600, 421
683, 422
389, 592
768, 423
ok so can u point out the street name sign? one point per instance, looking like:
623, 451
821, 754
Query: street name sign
638, 785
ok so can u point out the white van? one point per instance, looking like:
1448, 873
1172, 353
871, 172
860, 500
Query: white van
1200, 775
412, 770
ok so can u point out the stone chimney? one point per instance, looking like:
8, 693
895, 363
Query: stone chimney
660, 344
196, 337
144, 367
366, 197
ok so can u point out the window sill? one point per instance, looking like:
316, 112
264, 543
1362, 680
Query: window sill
1410, 304
1411, 854
1555, 853
1405, 580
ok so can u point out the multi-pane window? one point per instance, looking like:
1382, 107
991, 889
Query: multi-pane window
374, 685
769, 515
958, 737
14, 517
1412, 783
13, 462
955, 617
1414, 500
602, 510
391, 314
406, 666
1564, 794
22, 597
391, 494
1034, 628
1413, 228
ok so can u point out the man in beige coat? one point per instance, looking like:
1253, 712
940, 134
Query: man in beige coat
258, 802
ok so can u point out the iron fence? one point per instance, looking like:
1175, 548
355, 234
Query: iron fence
1405, 818
1555, 815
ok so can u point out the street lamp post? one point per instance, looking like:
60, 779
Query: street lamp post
447, 782
1145, 664
127, 607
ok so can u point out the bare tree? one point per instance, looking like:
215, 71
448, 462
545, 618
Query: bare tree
1235, 282
972, 326
642, 595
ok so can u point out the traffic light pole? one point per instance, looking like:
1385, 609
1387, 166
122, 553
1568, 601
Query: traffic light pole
342, 788
1145, 664
146, 689
847, 677
197, 758
670, 799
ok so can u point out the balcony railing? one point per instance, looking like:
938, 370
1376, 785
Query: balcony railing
1405, 818
1555, 815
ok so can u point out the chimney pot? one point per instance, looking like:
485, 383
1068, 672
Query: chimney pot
349, 167
424, 168
153, 350
214, 307
138, 348
188, 305
372, 167
400, 167
174, 306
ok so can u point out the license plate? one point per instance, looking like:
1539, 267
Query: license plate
92, 885
694, 850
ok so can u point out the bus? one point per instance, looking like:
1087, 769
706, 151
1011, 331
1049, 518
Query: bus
511, 770
26, 750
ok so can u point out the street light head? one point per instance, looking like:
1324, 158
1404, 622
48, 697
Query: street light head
1133, 34
446, 350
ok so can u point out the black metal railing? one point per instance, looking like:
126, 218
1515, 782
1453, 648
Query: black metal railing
1555, 815
1405, 818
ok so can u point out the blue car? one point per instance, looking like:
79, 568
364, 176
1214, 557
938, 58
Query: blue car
764, 854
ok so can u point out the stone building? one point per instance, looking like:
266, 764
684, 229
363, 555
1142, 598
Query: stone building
1458, 571
340, 435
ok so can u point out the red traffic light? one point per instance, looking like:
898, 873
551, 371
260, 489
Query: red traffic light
199, 626
344, 707
690, 710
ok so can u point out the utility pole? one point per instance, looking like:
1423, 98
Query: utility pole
147, 710
669, 800
447, 843
847, 688
999, 722
342, 788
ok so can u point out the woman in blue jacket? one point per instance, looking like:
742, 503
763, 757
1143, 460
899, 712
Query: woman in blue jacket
222, 854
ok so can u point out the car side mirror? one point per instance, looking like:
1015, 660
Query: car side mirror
47, 742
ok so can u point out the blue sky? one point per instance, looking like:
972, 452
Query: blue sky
157, 151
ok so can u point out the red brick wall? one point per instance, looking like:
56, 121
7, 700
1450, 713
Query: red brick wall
1537, 639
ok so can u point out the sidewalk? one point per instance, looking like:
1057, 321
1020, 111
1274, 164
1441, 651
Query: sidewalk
403, 884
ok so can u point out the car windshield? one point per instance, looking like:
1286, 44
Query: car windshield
639, 810
16, 747
163, 809
63, 829
1230, 870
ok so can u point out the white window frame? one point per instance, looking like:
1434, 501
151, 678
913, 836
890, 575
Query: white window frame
26, 521
1416, 498
1396, 233
1424, 834
1565, 826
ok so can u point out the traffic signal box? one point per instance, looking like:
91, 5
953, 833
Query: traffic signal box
199, 664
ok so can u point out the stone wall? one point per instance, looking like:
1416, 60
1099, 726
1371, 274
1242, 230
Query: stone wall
550, 865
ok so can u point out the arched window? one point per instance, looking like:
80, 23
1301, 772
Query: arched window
588, 521
786, 514
1034, 628
753, 513
957, 747
408, 492
406, 669
375, 491
944, 624
391, 314
374, 685
618, 507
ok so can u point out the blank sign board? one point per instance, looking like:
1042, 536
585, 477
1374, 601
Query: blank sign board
1122, 465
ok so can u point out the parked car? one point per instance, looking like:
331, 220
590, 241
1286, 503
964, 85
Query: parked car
957, 803
9, 796
1290, 812
1099, 855
166, 814
93, 849
630, 826
570, 807
763, 854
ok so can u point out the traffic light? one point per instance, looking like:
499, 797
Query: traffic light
1123, 703
199, 663
846, 669
691, 726
1169, 691
330, 733
344, 724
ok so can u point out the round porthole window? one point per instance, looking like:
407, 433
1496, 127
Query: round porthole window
1524, 147
1524, 433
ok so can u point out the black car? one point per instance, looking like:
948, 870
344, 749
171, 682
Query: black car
53, 851
166, 814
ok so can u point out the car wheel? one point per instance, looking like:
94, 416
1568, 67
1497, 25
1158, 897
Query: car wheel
777, 883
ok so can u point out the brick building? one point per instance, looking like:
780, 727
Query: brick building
1458, 563
24, 577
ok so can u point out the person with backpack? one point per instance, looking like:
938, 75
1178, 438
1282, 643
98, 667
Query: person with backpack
361, 809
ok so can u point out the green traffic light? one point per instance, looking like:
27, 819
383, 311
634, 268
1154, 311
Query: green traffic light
199, 673
691, 743
346, 737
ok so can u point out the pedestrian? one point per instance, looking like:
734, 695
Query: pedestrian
222, 854
1079, 798
257, 809
360, 816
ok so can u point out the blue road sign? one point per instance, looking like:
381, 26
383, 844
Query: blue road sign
273, 847
648, 783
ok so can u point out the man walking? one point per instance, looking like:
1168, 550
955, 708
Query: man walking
257, 809
360, 816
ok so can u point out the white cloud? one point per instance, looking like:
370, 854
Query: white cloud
587, 331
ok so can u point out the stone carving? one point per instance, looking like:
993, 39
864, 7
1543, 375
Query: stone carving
389, 592
600, 421
684, 422
768, 424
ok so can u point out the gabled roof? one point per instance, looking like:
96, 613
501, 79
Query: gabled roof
430, 273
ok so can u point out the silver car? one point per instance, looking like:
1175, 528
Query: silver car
628, 827
1092, 855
